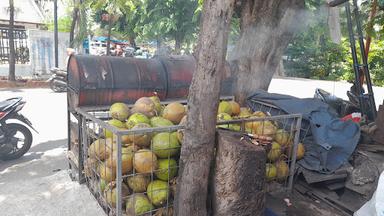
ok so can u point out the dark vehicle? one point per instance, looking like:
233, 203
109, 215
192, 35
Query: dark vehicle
15, 138
58, 80
342, 107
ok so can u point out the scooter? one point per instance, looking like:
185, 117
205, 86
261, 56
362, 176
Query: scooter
15, 138
58, 80
340, 106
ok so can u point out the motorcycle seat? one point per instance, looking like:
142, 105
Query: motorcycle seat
7, 103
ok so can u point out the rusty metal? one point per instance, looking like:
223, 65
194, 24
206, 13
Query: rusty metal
103, 80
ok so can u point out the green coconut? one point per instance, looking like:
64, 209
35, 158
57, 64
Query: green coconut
136, 118
167, 169
165, 145
158, 192
119, 111
225, 107
160, 122
138, 204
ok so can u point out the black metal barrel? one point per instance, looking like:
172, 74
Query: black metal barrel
103, 80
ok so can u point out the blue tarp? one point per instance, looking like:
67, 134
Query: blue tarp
333, 141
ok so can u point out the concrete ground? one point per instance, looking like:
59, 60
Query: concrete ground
38, 183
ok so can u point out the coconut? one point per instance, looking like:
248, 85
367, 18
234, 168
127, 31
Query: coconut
275, 152
102, 185
282, 170
180, 133
165, 211
300, 151
266, 128
110, 193
245, 112
174, 112
119, 111
138, 183
160, 122
282, 137
270, 172
116, 123
140, 139
158, 192
223, 117
235, 107
101, 148
145, 106
136, 118
145, 161
126, 157
165, 145
138, 204
158, 106
167, 169
106, 173
90, 163
225, 107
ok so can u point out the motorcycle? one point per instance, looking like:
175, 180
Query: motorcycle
58, 80
15, 138
340, 106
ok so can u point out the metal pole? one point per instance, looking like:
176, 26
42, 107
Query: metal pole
294, 152
365, 62
119, 179
354, 57
11, 59
56, 34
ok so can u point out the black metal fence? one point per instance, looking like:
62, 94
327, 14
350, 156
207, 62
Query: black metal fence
20, 39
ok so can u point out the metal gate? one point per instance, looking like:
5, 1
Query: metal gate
20, 40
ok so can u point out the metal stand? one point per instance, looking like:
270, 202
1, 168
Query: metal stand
366, 101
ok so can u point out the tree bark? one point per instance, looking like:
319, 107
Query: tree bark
199, 139
178, 41
75, 17
12, 61
239, 176
266, 29
109, 35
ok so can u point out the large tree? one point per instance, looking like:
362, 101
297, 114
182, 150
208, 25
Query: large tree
198, 147
12, 62
266, 29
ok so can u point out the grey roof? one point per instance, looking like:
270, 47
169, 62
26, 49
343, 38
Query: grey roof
25, 11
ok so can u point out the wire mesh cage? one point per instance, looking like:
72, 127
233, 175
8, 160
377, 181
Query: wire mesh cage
279, 135
270, 109
131, 166
130, 171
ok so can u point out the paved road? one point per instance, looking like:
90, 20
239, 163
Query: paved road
38, 183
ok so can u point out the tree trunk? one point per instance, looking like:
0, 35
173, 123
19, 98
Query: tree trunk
132, 41
199, 140
178, 41
109, 36
239, 176
12, 62
266, 29
75, 17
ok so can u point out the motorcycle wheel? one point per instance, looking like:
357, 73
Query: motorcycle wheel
24, 137
55, 87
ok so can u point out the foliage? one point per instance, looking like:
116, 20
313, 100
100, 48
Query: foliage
149, 20
312, 54
63, 24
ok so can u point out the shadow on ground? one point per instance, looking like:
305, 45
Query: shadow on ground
12, 89
41, 160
